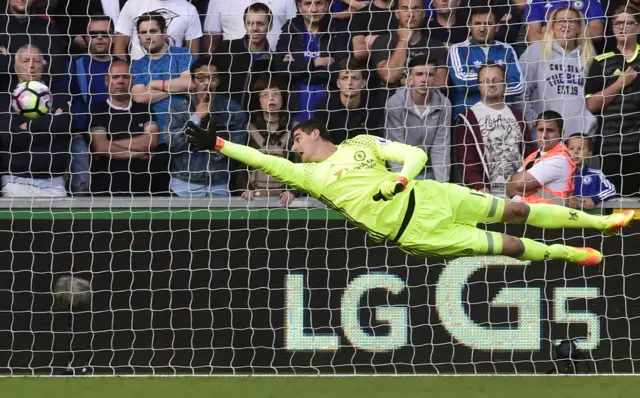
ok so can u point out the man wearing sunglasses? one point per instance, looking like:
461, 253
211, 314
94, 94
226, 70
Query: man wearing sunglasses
86, 82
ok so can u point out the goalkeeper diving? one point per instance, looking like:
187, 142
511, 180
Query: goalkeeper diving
424, 218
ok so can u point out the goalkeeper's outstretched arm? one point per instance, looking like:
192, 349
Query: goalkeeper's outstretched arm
284, 170
206, 140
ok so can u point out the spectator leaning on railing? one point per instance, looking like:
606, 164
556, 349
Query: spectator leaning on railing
204, 174
34, 154
590, 186
270, 133
546, 176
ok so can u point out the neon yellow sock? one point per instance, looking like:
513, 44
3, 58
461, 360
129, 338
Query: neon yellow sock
553, 216
536, 251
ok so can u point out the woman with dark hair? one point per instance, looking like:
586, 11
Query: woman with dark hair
613, 95
270, 133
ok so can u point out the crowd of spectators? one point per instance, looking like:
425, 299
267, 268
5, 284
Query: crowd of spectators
526, 99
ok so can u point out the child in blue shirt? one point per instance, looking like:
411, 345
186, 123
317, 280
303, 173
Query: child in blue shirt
590, 185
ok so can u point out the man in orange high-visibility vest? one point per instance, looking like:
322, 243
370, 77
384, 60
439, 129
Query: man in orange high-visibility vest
545, 175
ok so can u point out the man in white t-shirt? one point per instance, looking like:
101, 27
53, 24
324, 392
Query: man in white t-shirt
546, 175
225, 18
492, 138
183, 25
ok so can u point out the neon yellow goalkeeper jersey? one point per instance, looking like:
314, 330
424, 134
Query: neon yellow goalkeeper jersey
347, 181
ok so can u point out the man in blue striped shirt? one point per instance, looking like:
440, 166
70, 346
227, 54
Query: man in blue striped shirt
590, 185
466, 59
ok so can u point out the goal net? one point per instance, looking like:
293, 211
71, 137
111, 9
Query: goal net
125, 251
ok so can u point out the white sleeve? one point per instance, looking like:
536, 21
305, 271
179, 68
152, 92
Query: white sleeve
548, 171
194, 31
291, 9
125, 20
212, 23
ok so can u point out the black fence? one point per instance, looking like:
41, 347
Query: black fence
303, 296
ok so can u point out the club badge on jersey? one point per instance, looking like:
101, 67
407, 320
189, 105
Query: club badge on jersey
552, 5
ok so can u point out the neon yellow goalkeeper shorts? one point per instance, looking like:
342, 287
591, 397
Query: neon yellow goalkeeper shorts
444, 222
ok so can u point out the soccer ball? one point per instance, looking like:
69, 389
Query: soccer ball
31, 99
72, 292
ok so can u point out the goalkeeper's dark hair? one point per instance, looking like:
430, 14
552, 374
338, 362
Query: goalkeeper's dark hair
551, 116
585, 138
313, 124
152, 16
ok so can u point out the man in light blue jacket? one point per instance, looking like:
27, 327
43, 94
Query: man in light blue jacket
420, 115
466, 58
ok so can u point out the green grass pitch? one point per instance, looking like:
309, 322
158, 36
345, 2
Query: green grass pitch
324, 387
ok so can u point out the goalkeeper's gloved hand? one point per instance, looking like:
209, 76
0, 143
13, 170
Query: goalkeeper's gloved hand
199, 138
389, 189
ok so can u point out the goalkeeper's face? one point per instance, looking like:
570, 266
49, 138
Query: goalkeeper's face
306, 145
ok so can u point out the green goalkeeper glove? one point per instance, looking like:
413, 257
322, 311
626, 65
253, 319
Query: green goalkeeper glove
389, 189
201, 139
